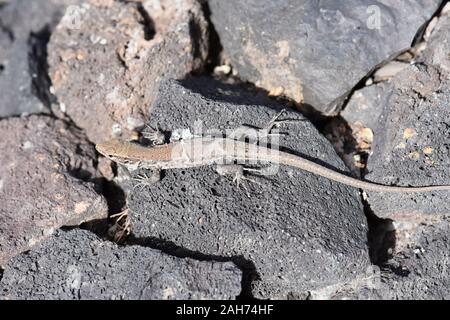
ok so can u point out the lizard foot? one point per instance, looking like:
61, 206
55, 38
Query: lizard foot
147, 179
251, 134
155, 137
274, 122
237, 171
121, 227
255, 135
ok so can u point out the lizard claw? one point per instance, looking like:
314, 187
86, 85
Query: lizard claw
275, 122
255, 135
121, 227
145, 179
237, 172
155, 137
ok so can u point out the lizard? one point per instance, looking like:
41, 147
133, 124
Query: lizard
201, 151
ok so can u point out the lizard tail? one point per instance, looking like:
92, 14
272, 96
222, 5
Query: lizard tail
304, 164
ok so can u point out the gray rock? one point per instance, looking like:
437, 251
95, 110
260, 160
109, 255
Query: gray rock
107, 68
412, 126
25, 27
301, 232
418, 271
389, 70
316, 51
411, 144
77, 265
438, 45
366, 105
45, 182
422, 266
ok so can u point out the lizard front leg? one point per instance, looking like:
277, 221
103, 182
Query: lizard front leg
147, 178
275, 121
238, 174
156, 137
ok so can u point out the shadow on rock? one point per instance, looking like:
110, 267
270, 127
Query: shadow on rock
249, 273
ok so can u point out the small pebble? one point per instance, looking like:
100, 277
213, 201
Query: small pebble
408, 133
428, 150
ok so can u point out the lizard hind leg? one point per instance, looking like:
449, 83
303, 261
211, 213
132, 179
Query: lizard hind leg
255, 135
275, 121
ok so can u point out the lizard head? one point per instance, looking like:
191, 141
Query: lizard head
121, 152
110, 148
115, 150
133, 155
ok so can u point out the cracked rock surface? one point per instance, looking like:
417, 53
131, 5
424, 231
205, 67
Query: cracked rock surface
44, 182
77, 72
418, 271
301, 232
410, 118
421, 267
365, 105
411, 145
315, 51
77, 265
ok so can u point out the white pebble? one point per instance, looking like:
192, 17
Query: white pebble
62, 107
27, 145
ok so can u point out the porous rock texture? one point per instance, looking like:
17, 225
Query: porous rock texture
316, 52
418, 271
77, 265
420, 268
45, 182
107, 65
411, 137
366, 105
438, 45
300, 232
